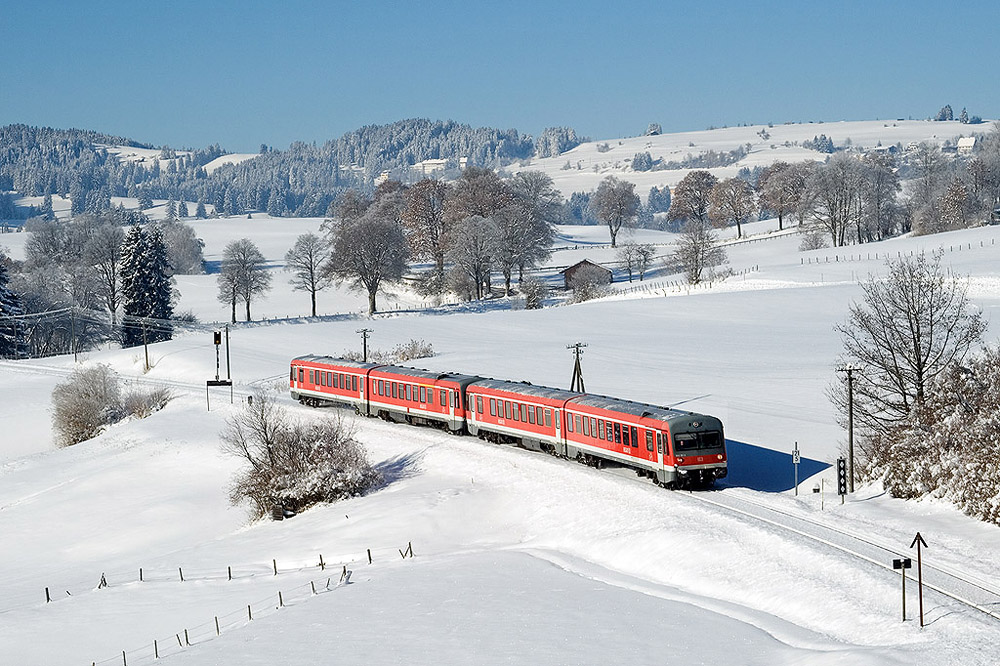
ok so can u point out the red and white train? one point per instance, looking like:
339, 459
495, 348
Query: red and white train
672, 447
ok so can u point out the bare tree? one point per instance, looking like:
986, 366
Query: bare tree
836, 189
587, 283
616, 204
471, 251
305, 261
690, 200
243, 275
369, 251
909, 327
424, 217
103, 251
635, 257
698, 250
781, 188
880, 215
731, 201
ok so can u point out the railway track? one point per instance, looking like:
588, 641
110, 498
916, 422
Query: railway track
971, 590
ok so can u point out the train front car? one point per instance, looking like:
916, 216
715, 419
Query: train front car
697, 455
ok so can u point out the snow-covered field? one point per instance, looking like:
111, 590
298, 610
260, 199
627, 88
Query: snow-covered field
518, 557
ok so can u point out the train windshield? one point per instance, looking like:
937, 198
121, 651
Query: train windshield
697, 441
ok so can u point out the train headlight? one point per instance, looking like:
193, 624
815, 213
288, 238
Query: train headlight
680, 460
720, 456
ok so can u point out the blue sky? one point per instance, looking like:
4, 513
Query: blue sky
188, 74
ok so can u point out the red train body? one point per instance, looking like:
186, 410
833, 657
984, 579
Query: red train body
672, 447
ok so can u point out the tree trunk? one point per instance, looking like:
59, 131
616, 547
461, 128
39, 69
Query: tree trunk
248, 309
371, 302
313, 302
233, 302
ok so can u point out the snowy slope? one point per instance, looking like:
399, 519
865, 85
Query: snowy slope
519, 557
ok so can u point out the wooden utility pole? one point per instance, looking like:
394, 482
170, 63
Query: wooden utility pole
364, 342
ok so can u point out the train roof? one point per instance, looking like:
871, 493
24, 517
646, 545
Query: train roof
525, 388
427, 374
333, 360
629, 407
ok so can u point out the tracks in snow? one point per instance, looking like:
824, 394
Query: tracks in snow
965, 588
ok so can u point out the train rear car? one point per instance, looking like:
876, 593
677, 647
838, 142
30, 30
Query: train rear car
326, 380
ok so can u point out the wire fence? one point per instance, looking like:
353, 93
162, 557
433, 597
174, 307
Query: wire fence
332, 576
876, 256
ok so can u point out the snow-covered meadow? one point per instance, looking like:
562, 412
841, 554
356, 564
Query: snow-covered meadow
518, 557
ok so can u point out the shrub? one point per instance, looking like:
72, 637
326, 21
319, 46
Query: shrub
290, 464
91, 399
85, 403
813, 240
534, 293
588, 282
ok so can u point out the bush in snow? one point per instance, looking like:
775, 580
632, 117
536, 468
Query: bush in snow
399, 354
588, 282
534, 292
290, 464
949, 444
92, 398
89, 400
812, 239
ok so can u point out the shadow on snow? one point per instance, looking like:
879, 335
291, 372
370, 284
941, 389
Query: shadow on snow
765, 470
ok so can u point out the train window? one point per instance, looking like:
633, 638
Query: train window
578, 428
538, 416
524, 412
407, 392
422, 391
531, 415
586, 426
381, 387
635, 436
291, 377
609, 431
312, 377
515, 410
600, 428
479, 404
618, 433
569, 423
456, 400
593, 428
548, 417
321, 378
659, 443
625, 439
444, 397
649, 440
493, 406
354, 383
301, 374
338, 380
506, 409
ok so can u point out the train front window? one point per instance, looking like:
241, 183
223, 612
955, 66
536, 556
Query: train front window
696, 441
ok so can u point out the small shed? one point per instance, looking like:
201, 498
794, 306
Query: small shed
569, 273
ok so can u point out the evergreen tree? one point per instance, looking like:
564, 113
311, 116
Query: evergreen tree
200, 212
182, 209
145, 201
46, 210
171, 208
146, 292
10, 306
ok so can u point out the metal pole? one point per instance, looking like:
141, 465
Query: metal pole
228, 376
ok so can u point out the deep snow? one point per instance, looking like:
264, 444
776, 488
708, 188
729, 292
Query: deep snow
519, 557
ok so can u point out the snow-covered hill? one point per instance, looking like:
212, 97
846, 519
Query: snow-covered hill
519, 557
582, 168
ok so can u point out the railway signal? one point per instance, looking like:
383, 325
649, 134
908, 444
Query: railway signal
364, 342
841, 478
576, 384
217, 340
902, 565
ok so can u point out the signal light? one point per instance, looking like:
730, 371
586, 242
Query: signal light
841, 476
